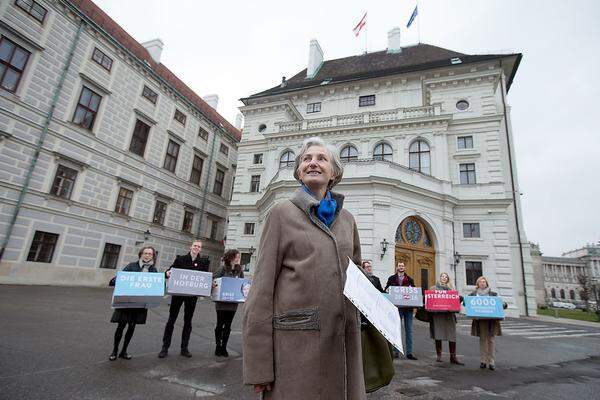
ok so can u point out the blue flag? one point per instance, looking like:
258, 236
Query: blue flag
412, 17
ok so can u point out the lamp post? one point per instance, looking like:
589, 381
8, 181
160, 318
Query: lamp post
384, 245
147, 235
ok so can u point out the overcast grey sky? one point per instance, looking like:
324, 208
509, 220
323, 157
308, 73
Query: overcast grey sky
235, 49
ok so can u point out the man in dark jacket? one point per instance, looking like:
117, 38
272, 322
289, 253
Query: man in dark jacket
193, 261
400, 278
368, 268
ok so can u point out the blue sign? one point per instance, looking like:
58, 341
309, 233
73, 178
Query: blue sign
484, 307
140, 287
232, 290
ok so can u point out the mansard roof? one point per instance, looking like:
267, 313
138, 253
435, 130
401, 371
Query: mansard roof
381, 63
100, 18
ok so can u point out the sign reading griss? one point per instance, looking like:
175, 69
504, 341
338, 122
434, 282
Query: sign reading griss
404, 296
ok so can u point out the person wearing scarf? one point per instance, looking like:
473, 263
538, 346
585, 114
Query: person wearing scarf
486, 329
301, 336
443, 324
131, 317
401, 278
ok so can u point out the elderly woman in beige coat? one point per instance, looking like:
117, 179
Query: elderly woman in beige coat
301, 335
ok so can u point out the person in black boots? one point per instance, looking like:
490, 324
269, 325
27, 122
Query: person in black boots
368, 268
400, 278
193, 261
226, 311
130, 317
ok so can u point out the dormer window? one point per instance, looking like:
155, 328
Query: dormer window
365, 101
313, 107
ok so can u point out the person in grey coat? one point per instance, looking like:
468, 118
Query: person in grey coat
231, 268
442, 325
131, 317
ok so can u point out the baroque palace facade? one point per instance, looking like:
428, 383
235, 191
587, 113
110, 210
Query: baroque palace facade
430, 174
102, 149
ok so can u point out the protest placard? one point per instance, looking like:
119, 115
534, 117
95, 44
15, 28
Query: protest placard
187, 282
138, 289
442, 301
405, 296
373, 305
484, 307
231, 290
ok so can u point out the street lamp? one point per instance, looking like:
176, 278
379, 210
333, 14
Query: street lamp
384, 245
147, 235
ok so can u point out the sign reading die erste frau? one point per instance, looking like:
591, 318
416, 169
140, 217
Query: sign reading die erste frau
484, 307
189, 282
442, 301
404, 296
138, 289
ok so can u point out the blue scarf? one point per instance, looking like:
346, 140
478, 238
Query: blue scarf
327, 207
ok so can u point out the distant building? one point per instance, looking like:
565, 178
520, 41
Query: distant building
102, 149
430, 172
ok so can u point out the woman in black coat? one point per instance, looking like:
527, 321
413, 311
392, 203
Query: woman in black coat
130, 317
226, 311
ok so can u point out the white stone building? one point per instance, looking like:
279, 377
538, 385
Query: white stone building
430, 173
102, 149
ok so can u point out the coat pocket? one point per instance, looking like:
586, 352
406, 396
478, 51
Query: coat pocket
300, 319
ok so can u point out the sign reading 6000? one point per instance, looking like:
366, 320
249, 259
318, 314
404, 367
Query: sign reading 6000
484, 307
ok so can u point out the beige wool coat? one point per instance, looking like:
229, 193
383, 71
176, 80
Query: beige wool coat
299, 330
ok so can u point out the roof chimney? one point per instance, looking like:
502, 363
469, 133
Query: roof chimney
154, 47
315, 59
394, 45
212, 100
238, 121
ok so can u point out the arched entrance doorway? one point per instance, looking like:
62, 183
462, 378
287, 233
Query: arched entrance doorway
415, 249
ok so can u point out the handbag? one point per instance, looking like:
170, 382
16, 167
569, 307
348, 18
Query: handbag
378, 365
423, 315
112, 281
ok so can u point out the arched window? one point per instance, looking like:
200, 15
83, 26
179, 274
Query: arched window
348, 153
382, 151
572, 294
419, 157
553, 291
562, 293
287, 159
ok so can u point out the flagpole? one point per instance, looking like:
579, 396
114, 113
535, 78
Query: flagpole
366, 34
419, 23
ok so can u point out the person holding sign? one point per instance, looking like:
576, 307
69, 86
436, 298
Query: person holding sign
400, 278
368, 268
301, 335
443, 324
130, 317
486, 329
226, 310
194, 261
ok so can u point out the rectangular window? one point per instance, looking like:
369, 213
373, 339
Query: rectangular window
171, 156
102, 59
313, 107
471, 230
64, 180
42, 247
33, 8
203, 133
179, 117
249, 228
465, 142
188, 219
467, 174
245, 261
473, 270
124, 200
255, 183
149, 94
13, 59
160, 210
219, 179
197, 165
139, 138
87, 108
257, 158
110, 256
214, 227
224, 149
364, 101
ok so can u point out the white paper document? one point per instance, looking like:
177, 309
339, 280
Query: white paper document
371, 302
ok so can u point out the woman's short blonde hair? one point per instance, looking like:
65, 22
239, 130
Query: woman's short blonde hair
449, 284
482, 278
336, 162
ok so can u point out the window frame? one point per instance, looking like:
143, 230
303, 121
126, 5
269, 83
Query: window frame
214, 229
420, 154
470, 226
465, 139
160, 212
224, 149
474, 272
288, 162
196, 171
203, 134
180, 117
467, 173
104, 261
29, 11
383, 155
254, 183
135, 136
311, 108
148, 96
9, 66
367, 100
103, 56
86, 108
60, 185
348, 157
259, 157
171, 158
39, 242
121, 201
249, 228
187, 221
219, 173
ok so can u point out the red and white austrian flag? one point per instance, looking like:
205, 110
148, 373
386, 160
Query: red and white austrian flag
360, 25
